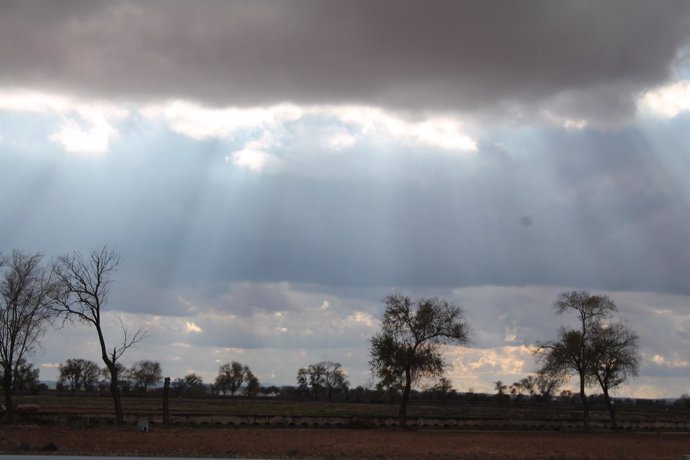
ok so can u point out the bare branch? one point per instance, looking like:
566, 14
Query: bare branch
84, 290
26, 296
127, 341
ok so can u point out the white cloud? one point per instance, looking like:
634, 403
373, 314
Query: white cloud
478, 368
439, 131
658, 359
666, 101
363, 318
672, 363
341, 141
33, 101
254, 160
75, 137
445, 133
231, 350
255, 155
190, 326
199, 122
514, 360
652, 387
87, 126
565, 122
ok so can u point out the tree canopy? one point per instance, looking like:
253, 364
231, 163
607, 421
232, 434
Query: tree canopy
408, 346
595, 351
232, 375
27, 291
614, 358
77, 374
323, 377
145, 373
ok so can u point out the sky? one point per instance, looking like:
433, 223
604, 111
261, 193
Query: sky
269, 171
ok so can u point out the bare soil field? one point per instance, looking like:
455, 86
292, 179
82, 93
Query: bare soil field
334, 444
152, 405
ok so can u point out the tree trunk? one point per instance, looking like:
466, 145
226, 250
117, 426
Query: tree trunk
405, 397
112, 368
7, 384
585, 403
166, 402
612, 409
115, 392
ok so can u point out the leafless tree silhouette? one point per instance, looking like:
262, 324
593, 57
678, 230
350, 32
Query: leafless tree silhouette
26, 295
84, 289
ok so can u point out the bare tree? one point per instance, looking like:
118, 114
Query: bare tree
231, 376
326, 375
26, 295
615, 357
79, 374
334, 378
548, 384
442, 388
190, 385
500, 388
571, 353
523, 386
408, 345
25, 378
145, 373
253, 384
84, 289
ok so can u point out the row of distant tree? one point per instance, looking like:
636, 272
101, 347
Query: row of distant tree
319, 381
79, 374
406, 351
83, 375
323, 380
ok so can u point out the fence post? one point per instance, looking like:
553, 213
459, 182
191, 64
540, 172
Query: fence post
166, 407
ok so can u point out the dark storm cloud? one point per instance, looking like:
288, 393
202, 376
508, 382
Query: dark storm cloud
587, 58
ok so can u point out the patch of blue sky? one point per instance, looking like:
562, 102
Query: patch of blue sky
27, 133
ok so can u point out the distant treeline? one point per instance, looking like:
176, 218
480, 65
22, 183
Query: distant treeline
355, 395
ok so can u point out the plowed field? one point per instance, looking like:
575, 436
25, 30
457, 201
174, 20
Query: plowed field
332, 443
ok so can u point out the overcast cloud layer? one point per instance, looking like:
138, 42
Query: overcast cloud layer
268, 171
579, 59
